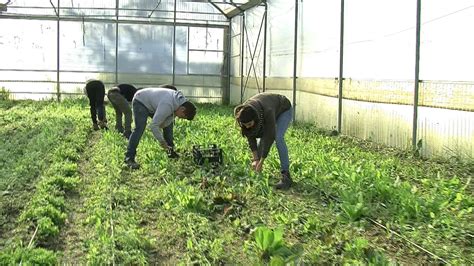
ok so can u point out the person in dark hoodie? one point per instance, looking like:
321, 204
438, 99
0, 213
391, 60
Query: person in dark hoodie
163, 105
266, 116
95, 91
120, 97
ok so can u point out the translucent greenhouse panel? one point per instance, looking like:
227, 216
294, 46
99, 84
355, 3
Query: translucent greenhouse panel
281, 24
87, 8
28, 44
378, 44
28, 7
447, 41
28, 54
87, 46
206, 38
206, 50
145, 49
202, 62
235, 46
318, 39
181, 61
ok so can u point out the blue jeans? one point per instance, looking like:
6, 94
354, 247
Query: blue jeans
282, 123
140, 115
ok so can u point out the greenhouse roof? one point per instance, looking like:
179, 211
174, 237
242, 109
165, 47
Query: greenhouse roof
231, 8
159, 11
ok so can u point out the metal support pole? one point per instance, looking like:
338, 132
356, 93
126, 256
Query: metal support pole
227, 51
417, 74
295, 60
58, 84
265, 48
341, 70
242, 50
116, 40
174, 43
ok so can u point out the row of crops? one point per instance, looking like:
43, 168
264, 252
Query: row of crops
67, 197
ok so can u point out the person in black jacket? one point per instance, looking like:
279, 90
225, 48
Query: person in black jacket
95, 91
121, 97
266, 116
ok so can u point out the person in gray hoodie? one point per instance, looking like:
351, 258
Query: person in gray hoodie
162, 104
266, 116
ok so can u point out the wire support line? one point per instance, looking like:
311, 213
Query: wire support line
55, 11
151, 13
252, 56
407, 240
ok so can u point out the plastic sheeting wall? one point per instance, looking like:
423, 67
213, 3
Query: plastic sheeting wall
88, 50
378, 70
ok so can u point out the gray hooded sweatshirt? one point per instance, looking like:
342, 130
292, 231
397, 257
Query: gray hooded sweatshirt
161, 103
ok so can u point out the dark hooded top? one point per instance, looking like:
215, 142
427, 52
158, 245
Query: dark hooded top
127, 91
268, 106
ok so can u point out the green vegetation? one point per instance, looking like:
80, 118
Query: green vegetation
67, 197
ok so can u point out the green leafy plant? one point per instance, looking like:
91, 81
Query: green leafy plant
271, 246
4, 94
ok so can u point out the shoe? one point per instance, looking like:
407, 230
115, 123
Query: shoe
131, 163
95, 126
103, 125
172, 154
285, 182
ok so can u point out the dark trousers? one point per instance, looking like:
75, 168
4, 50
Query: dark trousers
121, 106
96, 92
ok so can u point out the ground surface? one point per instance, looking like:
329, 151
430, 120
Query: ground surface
66, 197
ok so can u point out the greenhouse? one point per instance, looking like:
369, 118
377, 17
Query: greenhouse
236, 132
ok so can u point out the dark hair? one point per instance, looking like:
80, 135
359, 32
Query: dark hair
168, 86
245, 114
189, 110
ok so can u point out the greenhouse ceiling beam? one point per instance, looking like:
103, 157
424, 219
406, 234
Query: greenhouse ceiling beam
218, 8
250, 4
79, 19
113, 9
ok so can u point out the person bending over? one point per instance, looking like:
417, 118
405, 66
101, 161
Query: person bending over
121, 97
162, 104
95, 91
266, 116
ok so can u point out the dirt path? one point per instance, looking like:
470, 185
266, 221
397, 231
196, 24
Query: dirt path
73, 237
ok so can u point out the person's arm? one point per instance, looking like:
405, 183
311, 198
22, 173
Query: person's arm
163, 111
269, 133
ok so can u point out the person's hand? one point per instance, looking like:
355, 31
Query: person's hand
164, 145
254, 164
259, 166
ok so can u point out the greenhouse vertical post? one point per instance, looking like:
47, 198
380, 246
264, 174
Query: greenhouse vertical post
295, 60
116, 39
265, 47
174, 42
341, 70
242, 50
417, 74
58, 85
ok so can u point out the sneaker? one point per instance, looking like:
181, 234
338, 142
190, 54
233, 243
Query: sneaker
285, 182
95, 126
131, 163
